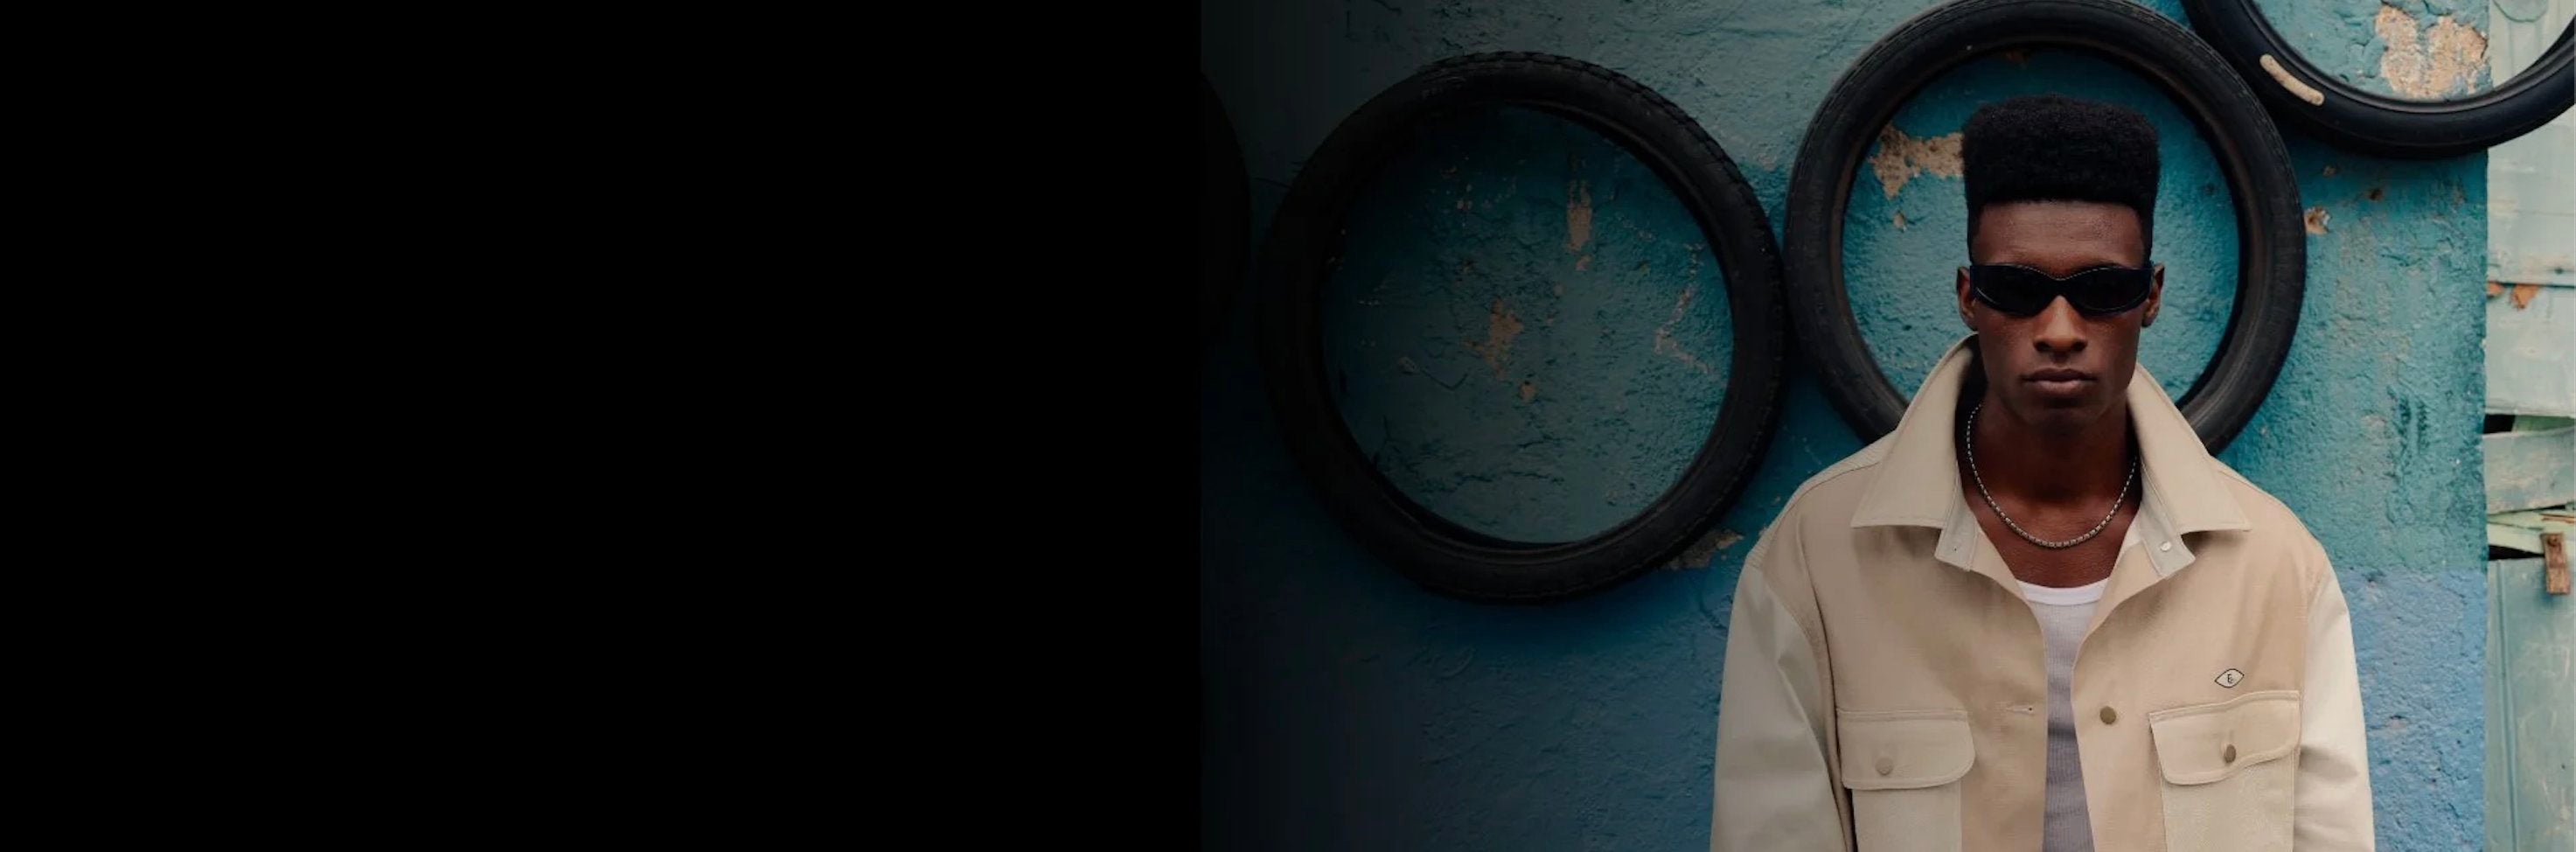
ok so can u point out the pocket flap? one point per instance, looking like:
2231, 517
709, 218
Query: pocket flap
2209, 742
1905, 749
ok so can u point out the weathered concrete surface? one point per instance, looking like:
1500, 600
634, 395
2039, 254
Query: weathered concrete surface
1529, 333
1344, 708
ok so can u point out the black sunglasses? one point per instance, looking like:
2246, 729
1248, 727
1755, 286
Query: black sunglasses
2022, 291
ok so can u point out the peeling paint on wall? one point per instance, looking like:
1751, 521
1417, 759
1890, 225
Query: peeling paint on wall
2441, 61
1901, 157
1578, 216
1501, 327
1667, 346
2316, 220
1704, 551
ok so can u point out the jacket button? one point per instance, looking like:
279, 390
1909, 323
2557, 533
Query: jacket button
2229, 755
2109, 717
1886, 765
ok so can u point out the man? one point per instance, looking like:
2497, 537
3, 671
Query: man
2038, 615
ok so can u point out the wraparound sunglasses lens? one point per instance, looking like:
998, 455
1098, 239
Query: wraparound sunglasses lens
2022, 291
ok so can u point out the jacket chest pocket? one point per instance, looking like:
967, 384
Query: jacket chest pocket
1903, 769
2230, 772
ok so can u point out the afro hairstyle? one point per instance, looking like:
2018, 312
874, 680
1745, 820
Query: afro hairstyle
2055, 148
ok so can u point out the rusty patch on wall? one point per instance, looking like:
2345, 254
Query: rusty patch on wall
1704, 551
2441, 60
2522, 295
1901, 157
1665, 344
1578, 216
1501, 327
2316, 220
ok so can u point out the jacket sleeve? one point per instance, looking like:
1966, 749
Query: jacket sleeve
1776, 787
2334, 812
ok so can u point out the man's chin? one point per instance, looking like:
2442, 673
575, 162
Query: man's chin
2058, 414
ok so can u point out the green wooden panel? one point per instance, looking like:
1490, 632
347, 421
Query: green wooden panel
2531, 195
2529, 211
2531, 368
2529, 470
2499, 775
2531, 689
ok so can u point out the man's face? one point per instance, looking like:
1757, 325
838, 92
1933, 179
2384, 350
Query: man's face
2058, 370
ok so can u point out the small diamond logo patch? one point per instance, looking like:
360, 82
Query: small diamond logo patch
2230, 677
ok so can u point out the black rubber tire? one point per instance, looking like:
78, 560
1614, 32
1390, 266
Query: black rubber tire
1225, 215
2376, 124
2271, 243
1304, 245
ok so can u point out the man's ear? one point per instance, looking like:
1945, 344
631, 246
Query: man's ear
1967, 303
2155, 298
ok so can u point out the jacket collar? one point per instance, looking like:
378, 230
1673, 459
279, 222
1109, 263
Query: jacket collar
1918, 482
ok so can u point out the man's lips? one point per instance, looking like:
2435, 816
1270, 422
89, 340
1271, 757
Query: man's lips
2057, 380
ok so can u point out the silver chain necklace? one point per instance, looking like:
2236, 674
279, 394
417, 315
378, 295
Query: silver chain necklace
2008, 521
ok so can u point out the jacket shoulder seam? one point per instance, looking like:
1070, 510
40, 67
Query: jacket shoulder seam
1864, 459
2304, 540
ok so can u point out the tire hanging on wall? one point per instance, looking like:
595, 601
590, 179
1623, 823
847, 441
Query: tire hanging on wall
1304, 246
2376, 124
2272, 249
1225, 214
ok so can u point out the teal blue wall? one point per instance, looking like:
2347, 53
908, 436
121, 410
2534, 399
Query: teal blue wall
1345, 708
1527, 329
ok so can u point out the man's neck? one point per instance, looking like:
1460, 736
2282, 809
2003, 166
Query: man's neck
2049, 466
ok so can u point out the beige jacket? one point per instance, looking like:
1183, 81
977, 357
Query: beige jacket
1885, 689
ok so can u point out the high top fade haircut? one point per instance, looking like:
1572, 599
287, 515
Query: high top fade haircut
2054, 148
